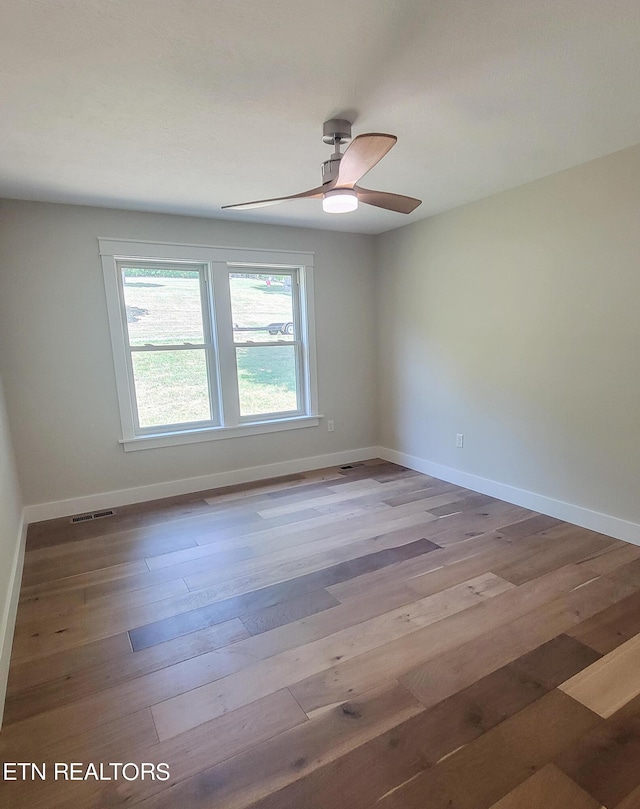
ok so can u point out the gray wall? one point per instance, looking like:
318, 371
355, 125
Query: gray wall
10, 531
514, 321
58, 369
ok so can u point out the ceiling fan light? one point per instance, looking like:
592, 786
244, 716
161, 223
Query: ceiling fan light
340, 200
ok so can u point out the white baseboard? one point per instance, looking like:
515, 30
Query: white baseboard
156, 491
577, 515
8, 615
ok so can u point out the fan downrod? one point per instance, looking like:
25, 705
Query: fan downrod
334, 133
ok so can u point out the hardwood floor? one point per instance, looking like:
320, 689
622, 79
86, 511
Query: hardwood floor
357, 637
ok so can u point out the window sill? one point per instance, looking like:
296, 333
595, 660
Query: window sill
217, 433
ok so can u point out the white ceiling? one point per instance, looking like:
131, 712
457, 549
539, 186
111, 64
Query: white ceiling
186, 105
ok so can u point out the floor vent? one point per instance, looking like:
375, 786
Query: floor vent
109, 512
81, 518
95, 516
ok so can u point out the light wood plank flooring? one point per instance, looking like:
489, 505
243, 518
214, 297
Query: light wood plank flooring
355, 637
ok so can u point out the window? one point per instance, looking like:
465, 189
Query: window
267, 342
169, 344
209, 342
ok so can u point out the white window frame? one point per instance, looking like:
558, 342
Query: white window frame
215, 265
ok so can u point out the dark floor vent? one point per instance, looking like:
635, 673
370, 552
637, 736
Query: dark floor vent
81, 518
96, 515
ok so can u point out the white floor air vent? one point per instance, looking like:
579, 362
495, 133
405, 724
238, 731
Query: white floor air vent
96, 515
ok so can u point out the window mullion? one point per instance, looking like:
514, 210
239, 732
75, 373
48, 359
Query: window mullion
226, 348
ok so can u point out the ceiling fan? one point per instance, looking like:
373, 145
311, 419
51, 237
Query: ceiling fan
340, 192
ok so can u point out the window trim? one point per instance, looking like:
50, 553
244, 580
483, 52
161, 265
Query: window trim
227, 422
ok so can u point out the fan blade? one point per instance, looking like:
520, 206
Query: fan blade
314, 193
362, 154
382, 199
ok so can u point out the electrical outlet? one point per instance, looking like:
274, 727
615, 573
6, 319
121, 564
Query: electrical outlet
330, 426
459, 440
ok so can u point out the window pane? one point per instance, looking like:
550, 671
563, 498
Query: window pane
163, 306
262, 307
267, 379
171, 387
